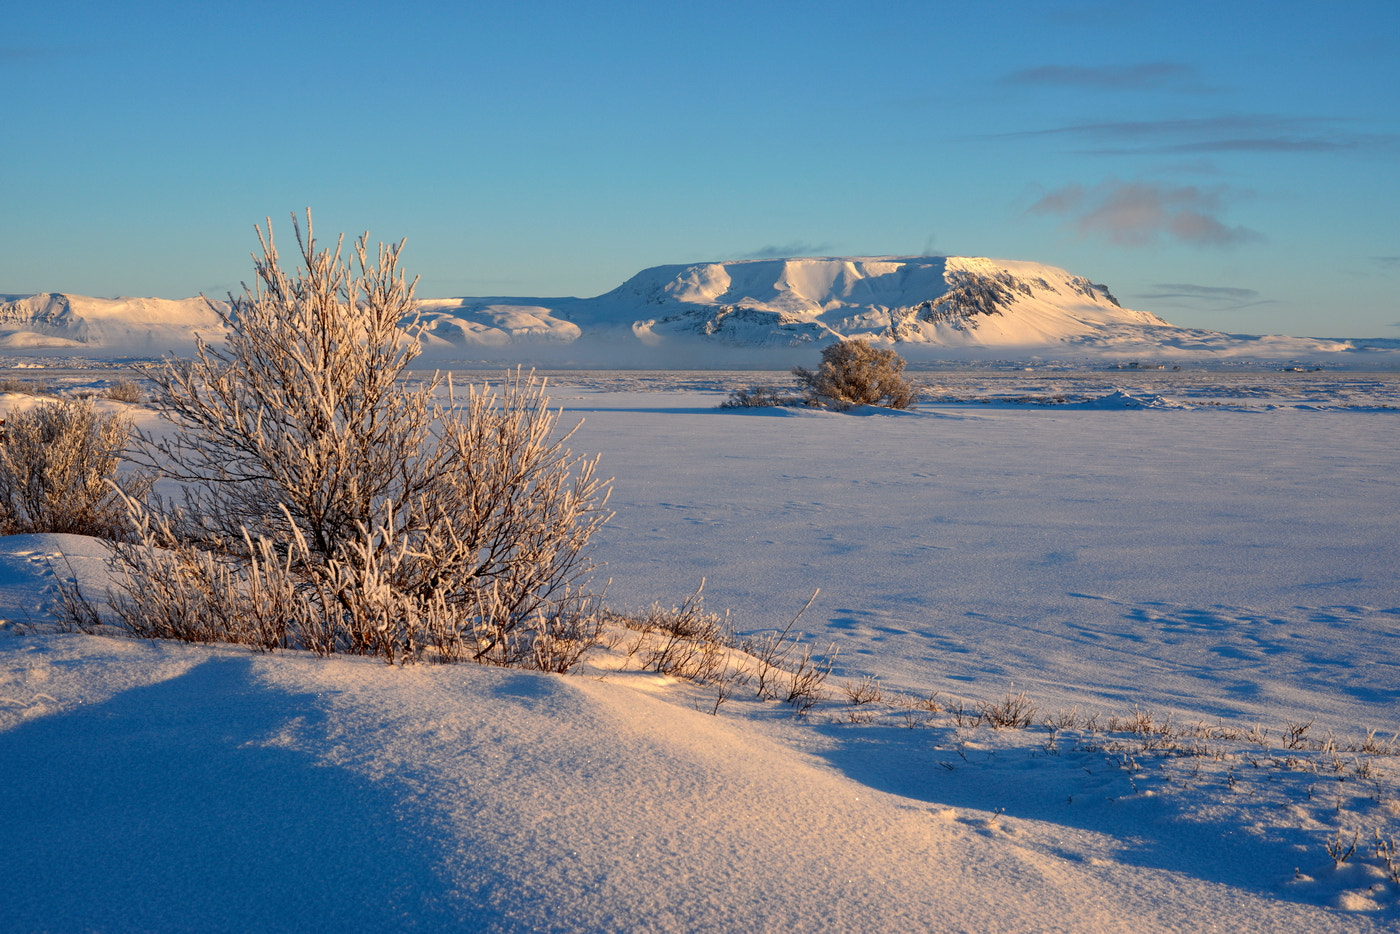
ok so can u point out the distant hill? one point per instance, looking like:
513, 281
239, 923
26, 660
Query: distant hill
928, 307
57, 321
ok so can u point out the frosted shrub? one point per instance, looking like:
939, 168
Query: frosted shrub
331, 506
854, 372
127, 390
760, 397
58, 462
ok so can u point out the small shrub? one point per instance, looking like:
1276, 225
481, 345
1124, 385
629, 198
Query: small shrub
58, 467
865, 691
806, 676
1339, 849
760, 397
128, 390
685, 641
854, 372
27, 387
1014, 710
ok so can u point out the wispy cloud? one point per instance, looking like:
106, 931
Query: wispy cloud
1237, 133
1219, 297
1141, 77
783, 251
12, 54
1142, 213
1390, 262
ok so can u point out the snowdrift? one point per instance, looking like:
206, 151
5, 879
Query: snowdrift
1222, 565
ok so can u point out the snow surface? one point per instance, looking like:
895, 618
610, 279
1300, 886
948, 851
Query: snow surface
1214, 547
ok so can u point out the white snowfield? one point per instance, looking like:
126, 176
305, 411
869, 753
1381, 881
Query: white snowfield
1214, 548
766, 310
52, 320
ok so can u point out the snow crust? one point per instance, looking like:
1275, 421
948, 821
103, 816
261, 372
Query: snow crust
1210, 546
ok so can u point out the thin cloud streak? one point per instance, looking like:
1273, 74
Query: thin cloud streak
784, 251
18, 54
1145, 76
1138, 214
1220, 298
1238, 133
1276, 144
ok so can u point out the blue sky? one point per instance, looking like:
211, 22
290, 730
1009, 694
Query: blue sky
1231, 166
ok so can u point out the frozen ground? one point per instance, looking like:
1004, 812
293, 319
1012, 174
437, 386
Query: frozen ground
1219, 548
1222, 545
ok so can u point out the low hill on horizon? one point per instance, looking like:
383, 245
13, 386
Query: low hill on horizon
929, 308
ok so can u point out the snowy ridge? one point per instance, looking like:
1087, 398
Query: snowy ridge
949, 301
57, 320
926, 307
929, 307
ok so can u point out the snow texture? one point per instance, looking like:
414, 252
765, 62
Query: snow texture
1210, 547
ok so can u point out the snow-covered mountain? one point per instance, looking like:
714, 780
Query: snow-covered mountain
939, 302
949, 301
57, 321
928, 307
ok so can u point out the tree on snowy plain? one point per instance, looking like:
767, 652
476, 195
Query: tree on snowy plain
854, 372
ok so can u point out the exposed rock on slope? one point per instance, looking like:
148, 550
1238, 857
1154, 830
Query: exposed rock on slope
930, 306
955, 301
56, 320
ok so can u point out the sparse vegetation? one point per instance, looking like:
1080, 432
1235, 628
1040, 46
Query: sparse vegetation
58, 471
1156, 756
691, 644
760, 397
127, 390
36, 387
330, 506
1013, 710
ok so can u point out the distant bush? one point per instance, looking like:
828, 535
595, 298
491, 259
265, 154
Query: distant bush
58, 466
27, 387
760, 397
128, 390
854, 372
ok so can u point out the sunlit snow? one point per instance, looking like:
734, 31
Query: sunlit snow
1211, 549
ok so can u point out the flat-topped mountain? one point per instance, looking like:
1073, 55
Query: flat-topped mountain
954, 301
926, 306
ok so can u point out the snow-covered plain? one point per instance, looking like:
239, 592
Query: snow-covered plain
1217, 548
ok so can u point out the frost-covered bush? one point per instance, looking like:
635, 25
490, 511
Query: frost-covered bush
760, 397
128, 390
854, 372
58, 464
332, 506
